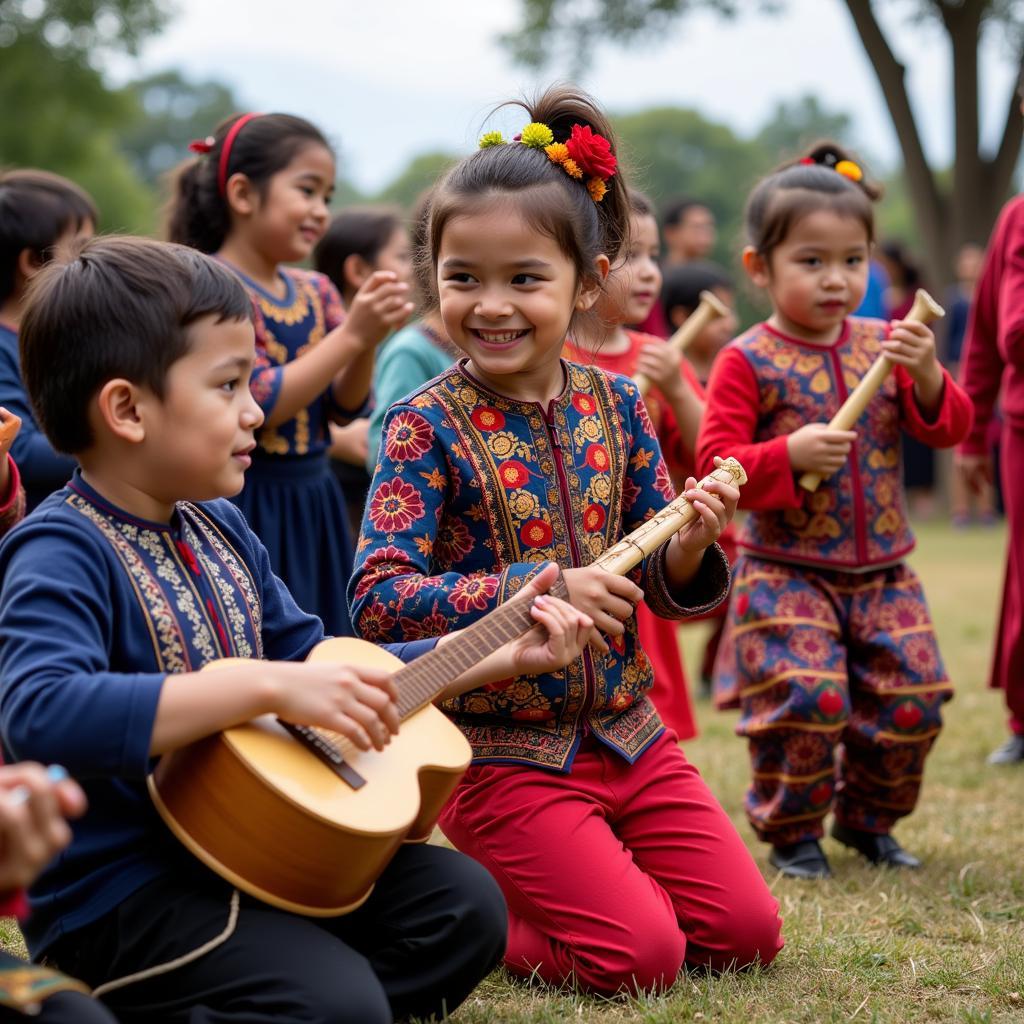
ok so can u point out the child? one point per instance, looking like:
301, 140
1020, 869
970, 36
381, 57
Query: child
832, 653
617, 862
98, 666
39, 212
258, 199
993, 372
680, 296
358, 242
675, 408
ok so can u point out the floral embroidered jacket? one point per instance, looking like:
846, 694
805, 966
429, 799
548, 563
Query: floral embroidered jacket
472, 492
765, 385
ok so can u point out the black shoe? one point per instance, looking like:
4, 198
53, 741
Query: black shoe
1011, 752
801, 860
879, 849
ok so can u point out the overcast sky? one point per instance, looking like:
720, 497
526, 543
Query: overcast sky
387, 79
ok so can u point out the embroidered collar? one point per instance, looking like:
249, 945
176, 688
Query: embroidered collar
844, 336
84, 490
560, 399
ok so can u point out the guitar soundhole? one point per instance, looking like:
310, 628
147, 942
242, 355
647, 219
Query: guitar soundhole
327, 752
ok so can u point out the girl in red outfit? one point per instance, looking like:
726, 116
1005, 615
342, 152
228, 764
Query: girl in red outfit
675, 406
617, 863
829, 647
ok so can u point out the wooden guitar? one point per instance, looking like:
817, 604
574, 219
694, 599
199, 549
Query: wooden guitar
301, 818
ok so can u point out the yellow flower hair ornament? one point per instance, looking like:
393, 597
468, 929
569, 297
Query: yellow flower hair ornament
585, 155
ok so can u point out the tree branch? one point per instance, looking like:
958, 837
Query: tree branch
890, 72
1004, 162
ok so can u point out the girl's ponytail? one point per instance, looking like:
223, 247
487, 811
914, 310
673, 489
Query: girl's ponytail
198, 215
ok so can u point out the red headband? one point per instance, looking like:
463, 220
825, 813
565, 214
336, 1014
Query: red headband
225, 152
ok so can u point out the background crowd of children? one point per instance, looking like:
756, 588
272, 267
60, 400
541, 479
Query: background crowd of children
412, 468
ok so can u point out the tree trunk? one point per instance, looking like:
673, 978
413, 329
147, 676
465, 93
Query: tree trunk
929, 207
968, 202
980, 186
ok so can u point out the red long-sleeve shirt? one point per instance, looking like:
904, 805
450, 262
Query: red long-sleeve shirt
764, 386
994, 349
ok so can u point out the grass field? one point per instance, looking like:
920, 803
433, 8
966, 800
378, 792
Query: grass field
942, 944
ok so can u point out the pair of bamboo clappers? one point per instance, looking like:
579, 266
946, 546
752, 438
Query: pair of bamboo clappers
924, 310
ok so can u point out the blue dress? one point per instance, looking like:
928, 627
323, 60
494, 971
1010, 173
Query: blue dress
291, 498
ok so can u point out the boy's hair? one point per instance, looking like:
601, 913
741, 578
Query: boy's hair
804, 186
119, 307
675, 212
551, 202
682, 284
259, 147
358, 231
37, 209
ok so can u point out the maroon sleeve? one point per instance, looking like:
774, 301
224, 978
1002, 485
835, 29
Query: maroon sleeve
1000, 285
730, 420
951, 422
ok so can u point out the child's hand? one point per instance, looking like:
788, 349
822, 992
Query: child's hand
716, 504
912, 345
9, 427
660, 363
359, 703
381, 306
34, 803
976, 471
350, 443
607, 599
816, 448
559, 637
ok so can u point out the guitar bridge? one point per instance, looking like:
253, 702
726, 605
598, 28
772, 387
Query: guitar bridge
327, 752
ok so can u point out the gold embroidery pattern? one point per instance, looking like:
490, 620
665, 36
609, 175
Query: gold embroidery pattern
240, 578
169, 645
160, 547
228, 608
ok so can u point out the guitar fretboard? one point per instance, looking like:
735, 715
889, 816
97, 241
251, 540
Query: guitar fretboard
422, 680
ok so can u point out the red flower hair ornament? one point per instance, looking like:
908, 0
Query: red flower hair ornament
585, 155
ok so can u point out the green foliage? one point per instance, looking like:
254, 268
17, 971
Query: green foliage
81, 30
798, 124
671, 152
570, 28
169, 112
420, 174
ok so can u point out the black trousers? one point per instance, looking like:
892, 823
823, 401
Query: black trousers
434, 926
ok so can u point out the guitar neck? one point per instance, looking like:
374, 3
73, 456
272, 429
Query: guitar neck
424, 679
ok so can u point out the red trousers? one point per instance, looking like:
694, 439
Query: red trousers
616, 874
1008, 660
670, 693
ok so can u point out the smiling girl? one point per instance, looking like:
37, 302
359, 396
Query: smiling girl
617, 863
257, 197
828, 648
